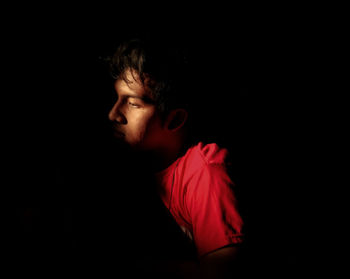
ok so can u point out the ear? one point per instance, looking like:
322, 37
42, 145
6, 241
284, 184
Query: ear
176, 119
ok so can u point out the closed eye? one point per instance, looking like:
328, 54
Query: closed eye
134, 105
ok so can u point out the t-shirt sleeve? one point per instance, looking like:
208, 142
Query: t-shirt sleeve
212, 206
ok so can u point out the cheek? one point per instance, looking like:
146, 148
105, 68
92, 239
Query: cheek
141, 126
136, 129
152, 133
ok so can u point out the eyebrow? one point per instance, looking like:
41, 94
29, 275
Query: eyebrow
129, 94
146, 99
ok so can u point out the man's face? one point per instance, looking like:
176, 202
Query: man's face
135, 118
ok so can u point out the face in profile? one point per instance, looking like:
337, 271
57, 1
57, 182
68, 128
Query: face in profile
135, 118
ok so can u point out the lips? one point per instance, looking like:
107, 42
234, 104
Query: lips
117, 133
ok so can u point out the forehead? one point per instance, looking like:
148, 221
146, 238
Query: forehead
131, 84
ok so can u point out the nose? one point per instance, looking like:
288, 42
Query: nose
116, 115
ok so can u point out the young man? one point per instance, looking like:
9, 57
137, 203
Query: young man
152, 115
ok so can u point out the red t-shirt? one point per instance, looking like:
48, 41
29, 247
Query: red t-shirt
198, 191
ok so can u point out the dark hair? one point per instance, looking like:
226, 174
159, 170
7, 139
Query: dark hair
164, 62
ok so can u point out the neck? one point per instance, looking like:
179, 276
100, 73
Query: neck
163, 157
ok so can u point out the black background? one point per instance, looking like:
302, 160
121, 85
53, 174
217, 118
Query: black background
261, 106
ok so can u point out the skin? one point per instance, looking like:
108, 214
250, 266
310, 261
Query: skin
134, 114
138, 123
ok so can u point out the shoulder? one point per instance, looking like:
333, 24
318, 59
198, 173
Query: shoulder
210, 153
203, 157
